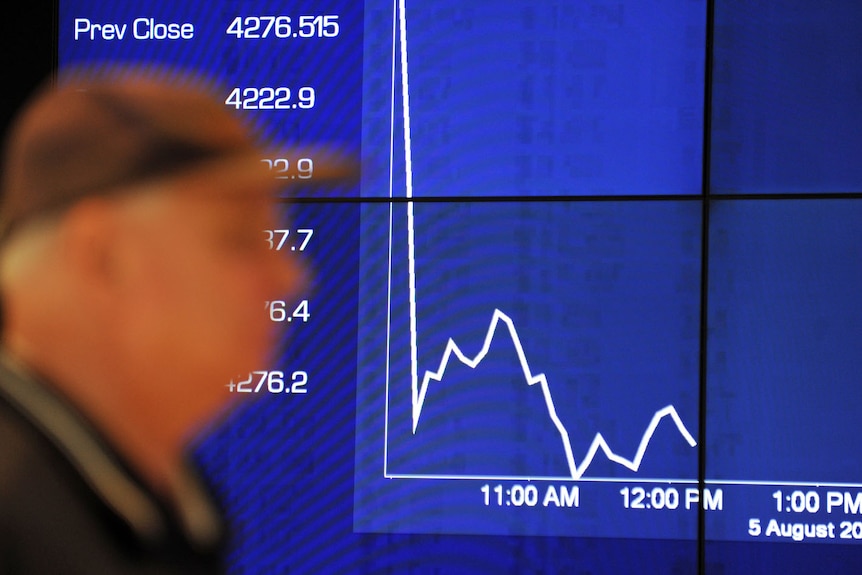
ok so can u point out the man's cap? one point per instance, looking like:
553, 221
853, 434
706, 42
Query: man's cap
96, 136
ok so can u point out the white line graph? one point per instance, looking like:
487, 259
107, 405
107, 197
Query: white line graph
418, 393
577, 471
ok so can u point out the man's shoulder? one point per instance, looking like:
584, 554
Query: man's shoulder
26, 456
53, 519
31, 465
20, 447
45, 509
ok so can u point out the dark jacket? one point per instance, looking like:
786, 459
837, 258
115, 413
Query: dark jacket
70, 505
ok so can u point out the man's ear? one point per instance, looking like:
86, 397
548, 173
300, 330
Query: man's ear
90, 236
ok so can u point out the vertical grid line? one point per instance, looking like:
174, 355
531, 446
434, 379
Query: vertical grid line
704, 284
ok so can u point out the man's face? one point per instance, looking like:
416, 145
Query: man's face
198, 273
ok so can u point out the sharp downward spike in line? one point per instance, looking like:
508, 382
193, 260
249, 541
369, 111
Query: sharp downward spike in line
418, 392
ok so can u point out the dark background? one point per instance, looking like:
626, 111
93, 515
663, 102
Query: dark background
26, 29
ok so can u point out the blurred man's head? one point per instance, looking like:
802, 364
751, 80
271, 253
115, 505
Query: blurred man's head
133, 269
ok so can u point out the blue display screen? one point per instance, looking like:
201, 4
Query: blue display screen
592, 305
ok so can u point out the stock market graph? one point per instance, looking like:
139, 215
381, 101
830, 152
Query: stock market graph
590, 307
